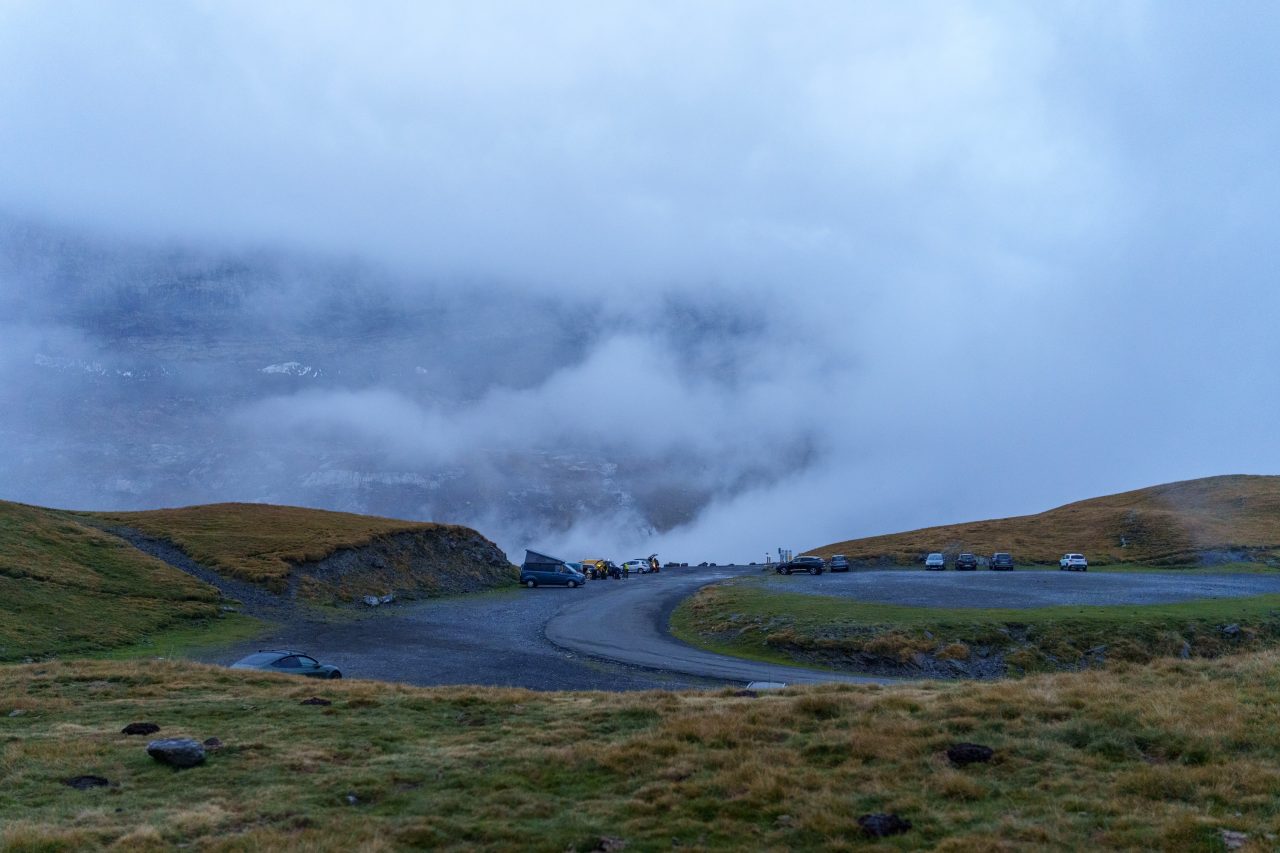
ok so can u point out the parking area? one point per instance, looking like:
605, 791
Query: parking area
1025, 589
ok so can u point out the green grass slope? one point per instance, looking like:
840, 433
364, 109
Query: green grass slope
1216, 519
1163, 757
68, 588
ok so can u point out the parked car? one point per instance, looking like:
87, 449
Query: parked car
839, 563
287, 661
541, 570
935, 562
967, 563
812, 565
1001, 561
640, 567
1073, 563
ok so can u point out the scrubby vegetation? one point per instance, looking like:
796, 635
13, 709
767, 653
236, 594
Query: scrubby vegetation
743, 617
1213, 520
1165, 756
68, 588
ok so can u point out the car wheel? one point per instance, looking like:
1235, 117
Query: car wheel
335, 674
812, 570
573, 584
531, 584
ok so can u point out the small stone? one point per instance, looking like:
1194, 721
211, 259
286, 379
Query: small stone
1185, 651
84, 783
387, 599
881, 825
783, 820
177, 752
351, 799
1232, 839
964, 754
140, 729
212, 744
1232, 630
609, 844
17, 712
372, 600
315, 700
227, 608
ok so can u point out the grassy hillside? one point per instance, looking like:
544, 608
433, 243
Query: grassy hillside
1217, 519
66, 587
259, 542
1153, 758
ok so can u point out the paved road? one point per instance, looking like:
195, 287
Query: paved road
629, 625
1026, 588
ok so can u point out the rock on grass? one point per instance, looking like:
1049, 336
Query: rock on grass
177, 752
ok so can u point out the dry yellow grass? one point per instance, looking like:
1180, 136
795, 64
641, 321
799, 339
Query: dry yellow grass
1171, 524
1143, 758
261, 542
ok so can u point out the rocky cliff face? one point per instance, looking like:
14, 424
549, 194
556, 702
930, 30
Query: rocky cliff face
414, 564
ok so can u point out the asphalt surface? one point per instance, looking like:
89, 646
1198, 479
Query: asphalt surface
1020, 589
629, 625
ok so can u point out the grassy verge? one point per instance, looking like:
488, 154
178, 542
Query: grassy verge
740, 617
1159, 757
187, 640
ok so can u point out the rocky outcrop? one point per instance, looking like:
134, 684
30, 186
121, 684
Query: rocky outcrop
445, 560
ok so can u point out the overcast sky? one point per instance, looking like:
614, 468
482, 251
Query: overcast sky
1007, 255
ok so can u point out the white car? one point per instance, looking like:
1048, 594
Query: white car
638, 566
935, 562
1073, 563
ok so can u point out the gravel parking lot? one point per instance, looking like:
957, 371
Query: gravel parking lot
490, 638
1025, 589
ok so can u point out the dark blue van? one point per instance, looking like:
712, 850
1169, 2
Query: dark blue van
541, 570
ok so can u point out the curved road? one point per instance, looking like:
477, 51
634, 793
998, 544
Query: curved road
629, 626
612, 635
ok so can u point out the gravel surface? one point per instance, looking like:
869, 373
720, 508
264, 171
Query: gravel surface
491, 638
1025, 589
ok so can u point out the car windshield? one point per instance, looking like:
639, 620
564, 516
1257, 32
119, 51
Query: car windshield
259, 659
935, 556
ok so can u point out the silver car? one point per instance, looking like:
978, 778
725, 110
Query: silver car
935, 562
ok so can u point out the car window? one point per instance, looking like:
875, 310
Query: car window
289, 662
306, 661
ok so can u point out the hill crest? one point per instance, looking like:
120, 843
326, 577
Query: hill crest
1232, 518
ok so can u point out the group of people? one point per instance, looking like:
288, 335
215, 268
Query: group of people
602, 569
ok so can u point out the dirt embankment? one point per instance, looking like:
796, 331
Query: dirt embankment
410, 564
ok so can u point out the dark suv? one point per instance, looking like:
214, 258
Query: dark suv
812, 565
966, 563
1001, 561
